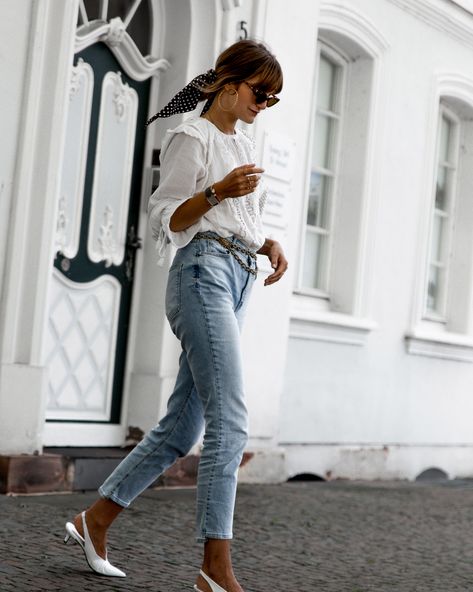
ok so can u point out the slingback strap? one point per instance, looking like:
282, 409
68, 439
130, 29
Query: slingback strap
213, 585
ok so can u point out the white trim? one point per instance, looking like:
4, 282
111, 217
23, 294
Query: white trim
83, 434
445, 85
103, 10
131, 13
76, 288
340, 62
39, 156
344, 20
465, 4
338, 18
81, 72
107, 226
31, 232
353, 28
228, 5
157, 24
448, 228
123, 47
329, 326
447, 346
442, 16
83, 13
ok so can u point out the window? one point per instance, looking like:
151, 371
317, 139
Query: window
442, 217
319, 207
442, 324
335, 215
333, 288
135, 14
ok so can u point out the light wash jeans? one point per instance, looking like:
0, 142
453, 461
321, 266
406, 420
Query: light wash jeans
206, 297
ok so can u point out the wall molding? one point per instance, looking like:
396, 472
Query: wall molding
447, 346
455, 21
330, 327
444, 84
350, 23
359, 37
114, 35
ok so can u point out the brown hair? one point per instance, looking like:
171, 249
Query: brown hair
244, 60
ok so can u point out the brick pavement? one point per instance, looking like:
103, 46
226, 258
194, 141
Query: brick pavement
339, 536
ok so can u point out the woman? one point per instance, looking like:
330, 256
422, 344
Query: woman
209, 204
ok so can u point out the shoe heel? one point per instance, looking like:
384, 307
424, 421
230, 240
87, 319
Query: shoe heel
66, 538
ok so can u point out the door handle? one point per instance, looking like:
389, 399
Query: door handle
133, 241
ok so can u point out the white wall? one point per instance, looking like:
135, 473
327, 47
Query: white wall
377, 394
15, 35
38, 43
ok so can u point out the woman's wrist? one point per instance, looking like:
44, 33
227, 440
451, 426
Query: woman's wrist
218, 191
266, 247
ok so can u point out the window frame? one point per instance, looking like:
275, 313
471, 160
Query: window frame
341, 61
440, 315
453, 339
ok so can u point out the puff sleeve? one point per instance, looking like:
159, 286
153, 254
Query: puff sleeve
183, 173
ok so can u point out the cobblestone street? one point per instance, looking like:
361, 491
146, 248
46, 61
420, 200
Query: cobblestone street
299, 537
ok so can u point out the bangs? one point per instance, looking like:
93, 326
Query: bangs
246, 60
269, 76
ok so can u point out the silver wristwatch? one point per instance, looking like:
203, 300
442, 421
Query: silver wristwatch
211, 196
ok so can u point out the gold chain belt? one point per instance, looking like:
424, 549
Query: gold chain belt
232, 248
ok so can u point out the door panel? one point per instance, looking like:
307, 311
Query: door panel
75, 159
112, 171
82, 339
96, 240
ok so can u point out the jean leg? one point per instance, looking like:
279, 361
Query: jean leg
209, 332
173, 437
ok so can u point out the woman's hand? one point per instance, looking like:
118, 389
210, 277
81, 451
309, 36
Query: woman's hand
241, 181
273, 250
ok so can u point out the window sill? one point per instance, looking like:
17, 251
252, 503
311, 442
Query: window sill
311, 293
448, 346
329, 326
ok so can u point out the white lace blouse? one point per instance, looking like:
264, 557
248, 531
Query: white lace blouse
195, 155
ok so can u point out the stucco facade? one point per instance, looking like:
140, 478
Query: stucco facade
354, 380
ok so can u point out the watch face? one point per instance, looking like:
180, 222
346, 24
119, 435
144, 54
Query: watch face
211, 197
213, 201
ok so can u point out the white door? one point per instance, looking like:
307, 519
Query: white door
93, 270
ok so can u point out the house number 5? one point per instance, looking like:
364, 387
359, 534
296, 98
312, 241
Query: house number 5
243, 30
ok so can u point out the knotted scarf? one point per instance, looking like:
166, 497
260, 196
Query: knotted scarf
187, 98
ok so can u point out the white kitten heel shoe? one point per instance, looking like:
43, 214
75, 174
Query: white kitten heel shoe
96, 563
213, 585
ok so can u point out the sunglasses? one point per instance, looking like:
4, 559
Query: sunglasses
261, 97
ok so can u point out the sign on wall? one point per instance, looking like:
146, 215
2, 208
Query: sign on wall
278, 163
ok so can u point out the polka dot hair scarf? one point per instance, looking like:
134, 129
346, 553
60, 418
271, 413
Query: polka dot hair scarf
186, 99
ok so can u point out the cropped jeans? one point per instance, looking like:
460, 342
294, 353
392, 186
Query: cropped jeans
206, 298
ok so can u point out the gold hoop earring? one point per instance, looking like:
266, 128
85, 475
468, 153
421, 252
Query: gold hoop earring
233, 92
